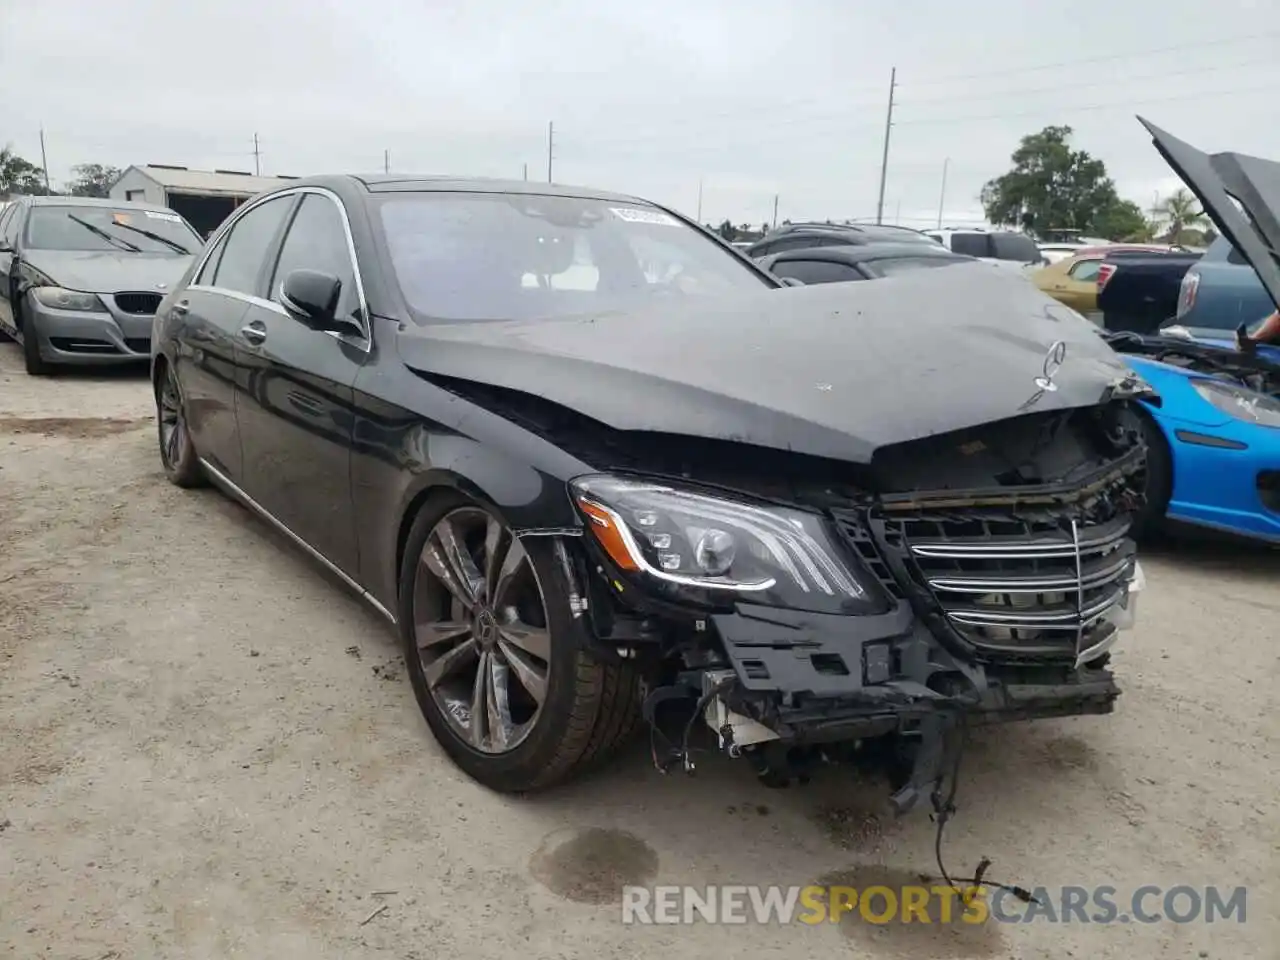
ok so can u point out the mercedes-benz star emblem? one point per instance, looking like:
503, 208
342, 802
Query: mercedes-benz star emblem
1052, 364
486, 629
161, 286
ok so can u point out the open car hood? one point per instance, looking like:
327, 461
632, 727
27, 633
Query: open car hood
832, 370
1216, 179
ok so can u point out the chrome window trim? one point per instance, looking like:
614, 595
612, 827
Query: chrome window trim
364, 340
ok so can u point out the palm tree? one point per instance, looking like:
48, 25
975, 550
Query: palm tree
1181, 212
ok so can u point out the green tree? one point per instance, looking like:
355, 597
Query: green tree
1124, 220
92, 180
18, 175
1051, 187
1181, 212
727, 230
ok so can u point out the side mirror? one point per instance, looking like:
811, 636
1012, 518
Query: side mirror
791, 282
311, 297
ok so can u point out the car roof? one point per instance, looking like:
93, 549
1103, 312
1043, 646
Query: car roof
788, 229
862, 252
95, 202
415, 183
1101, 251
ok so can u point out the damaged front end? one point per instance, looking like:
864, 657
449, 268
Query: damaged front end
973, 577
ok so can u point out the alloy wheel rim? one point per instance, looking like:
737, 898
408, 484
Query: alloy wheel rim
480, 623
172, 423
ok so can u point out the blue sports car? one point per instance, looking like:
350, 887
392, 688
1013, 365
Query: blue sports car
1214, 431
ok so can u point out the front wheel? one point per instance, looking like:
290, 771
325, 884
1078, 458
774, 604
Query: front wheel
36, 365
494, 654
177, 452
1158, 485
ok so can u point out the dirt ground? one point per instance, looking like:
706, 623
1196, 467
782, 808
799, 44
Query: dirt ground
208, 749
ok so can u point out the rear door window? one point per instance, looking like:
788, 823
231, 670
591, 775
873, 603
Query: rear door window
1085, 270
971, 244
816, 271
1015, 246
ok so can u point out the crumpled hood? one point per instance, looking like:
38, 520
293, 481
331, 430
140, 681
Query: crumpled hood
95, 271
832, 370
1216, 179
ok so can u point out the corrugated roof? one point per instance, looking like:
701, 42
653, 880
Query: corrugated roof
211, 181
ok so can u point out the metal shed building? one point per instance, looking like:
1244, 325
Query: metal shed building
204, 197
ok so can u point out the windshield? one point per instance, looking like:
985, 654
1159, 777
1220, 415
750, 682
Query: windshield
475, 256
118, 229
893, 267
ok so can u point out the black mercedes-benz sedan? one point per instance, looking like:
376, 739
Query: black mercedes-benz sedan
596, 467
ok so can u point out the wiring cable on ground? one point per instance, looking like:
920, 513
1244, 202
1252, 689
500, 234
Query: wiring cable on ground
943, 808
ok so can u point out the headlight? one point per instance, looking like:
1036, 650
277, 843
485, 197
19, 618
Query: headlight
717, 550
1240, 402
68, 299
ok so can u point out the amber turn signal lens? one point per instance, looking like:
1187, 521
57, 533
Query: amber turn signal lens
607, 528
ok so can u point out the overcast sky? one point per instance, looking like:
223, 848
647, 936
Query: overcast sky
752, 97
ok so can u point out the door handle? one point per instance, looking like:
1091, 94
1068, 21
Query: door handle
254, 332
181, 307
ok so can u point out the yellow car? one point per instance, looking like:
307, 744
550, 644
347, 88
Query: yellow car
1074, 281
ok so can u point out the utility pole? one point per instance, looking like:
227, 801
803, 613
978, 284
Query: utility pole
699, 201
44, 161
942, 197
884, 161
386, 161
775, 211
897, 216
526, 171
551, 142
257, 157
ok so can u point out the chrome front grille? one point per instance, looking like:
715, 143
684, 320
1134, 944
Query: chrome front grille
1045, 590
1042, 584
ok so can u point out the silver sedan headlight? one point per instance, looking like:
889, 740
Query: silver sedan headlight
62, 299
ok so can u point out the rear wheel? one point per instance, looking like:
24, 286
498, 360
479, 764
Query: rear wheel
177, 452
494, 653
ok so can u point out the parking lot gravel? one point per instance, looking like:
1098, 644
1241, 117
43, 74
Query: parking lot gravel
209, 749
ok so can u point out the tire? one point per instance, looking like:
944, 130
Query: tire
177, 451
587, 709
36, 365
1148, 522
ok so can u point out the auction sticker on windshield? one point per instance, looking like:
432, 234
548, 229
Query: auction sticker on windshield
170, 217
636, 215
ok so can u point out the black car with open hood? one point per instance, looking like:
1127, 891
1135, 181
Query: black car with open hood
1241, 195
598, 468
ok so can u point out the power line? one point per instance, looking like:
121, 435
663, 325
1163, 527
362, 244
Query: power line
1118, 105
1127, 55
1057, 88
839, 124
